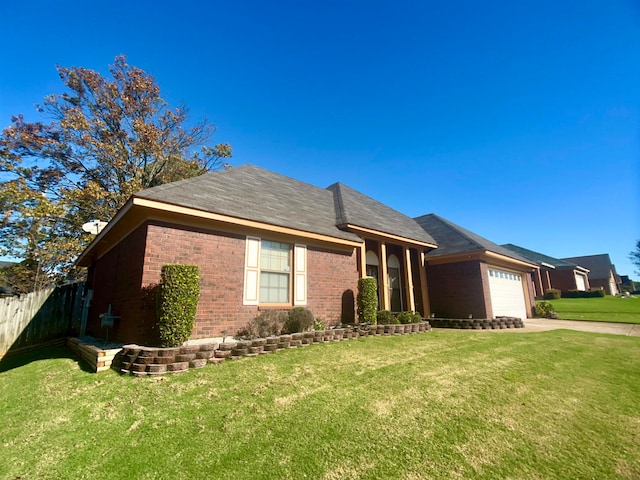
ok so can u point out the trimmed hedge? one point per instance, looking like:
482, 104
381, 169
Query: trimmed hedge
552, 294
299, 319
385, 317
177, 303
583, 294
367, 300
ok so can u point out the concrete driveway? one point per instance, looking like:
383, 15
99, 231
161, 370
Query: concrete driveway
542, 324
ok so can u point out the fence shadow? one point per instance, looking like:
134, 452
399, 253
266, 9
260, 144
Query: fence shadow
44, 353
39, 320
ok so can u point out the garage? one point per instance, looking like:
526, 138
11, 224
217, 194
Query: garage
507, 294
580, 283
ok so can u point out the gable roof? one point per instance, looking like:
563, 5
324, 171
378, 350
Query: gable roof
252, 193
599, 266
453, 239
541, 259
355, 209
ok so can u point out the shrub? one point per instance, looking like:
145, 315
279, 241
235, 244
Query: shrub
583, 293
417, 318
318, 324
177, 303
544, 309
367, 300
405, 317
299, 319
385, 317
267, 324
552, 294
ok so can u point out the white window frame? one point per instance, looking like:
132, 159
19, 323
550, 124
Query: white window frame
297, 274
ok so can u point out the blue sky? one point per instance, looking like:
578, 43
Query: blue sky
517, 120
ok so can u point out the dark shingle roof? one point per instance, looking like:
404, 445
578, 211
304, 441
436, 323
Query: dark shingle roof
540, 258
599, 265
356, 208
452, 239
252, 193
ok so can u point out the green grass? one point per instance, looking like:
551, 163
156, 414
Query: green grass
445, 404
604, 309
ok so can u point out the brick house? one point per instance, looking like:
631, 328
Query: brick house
470, 275
553, 272
602, 273
262, 241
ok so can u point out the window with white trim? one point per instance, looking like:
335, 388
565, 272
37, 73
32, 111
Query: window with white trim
271, 277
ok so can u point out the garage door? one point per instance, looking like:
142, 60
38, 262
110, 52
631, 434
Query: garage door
507, 295
580, 283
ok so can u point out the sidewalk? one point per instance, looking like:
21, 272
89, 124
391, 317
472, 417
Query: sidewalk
542, 324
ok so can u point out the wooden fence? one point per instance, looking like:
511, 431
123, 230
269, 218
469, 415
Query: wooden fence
40, 318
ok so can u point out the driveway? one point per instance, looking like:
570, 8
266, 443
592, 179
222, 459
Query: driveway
542, 324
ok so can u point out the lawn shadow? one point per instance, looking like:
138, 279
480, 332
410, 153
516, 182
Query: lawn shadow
56, 351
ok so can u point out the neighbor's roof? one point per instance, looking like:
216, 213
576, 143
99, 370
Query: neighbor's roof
253, 193
599, 265
354, 208
540, 258
453, 239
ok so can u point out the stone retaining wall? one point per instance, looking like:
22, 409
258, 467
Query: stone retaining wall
138, 360
478, 324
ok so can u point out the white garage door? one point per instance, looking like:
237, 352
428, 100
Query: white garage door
580, 283
507, 295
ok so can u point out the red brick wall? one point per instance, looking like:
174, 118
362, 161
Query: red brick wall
459, 289
121, 279
332, 284
221, 261
116, 279
563, 279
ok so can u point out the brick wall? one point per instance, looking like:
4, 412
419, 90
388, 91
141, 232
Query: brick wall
563, 279
126, 275
458, 289
116, 279
221, 261
332, 284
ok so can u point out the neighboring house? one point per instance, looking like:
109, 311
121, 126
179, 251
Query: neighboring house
553, 272
602, 273
470, 275
262, 241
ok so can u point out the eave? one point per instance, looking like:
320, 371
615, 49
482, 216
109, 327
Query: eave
138, 210
379, 235
485, 255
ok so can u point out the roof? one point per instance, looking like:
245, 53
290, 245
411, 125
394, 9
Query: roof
599, 266
253, 193
453, 239
540, 258
357, 209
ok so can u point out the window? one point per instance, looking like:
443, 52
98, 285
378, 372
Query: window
275, 270
269, 272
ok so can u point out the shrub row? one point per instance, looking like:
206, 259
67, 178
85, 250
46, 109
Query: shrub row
277, 322
583, 294
554, 293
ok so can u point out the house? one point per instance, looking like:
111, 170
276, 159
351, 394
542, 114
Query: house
602, 273
470, 275
262, 241
553, 272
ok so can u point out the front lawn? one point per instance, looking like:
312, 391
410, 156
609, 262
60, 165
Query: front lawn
603, 309
445, 404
